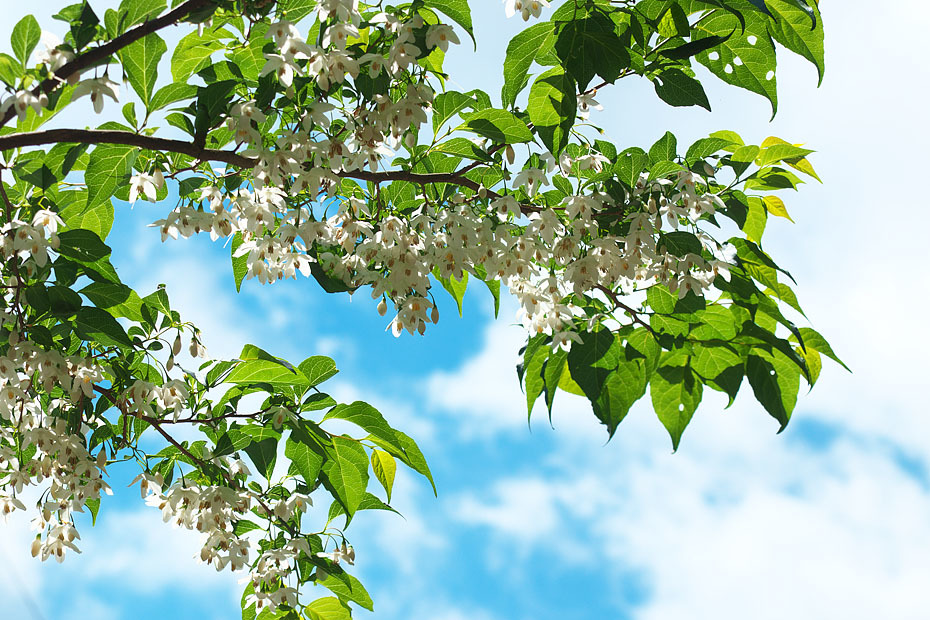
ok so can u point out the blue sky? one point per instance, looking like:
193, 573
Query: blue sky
829, 519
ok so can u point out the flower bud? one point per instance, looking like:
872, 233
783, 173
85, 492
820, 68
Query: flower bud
170, 363
434, 316
410, 140
382, 307
482, 191
509, 153
36, 546
176, 347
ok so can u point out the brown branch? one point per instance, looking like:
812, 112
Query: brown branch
156, 424
104, 136
108, 136
619, 304
97, 54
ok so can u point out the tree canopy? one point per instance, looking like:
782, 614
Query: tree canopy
322, 139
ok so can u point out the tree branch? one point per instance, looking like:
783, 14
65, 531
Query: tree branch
97, 54
107, 136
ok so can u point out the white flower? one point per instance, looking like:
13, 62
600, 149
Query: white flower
53, 57
281, 66
526, 8
97, 88
586, 103
48, 219
282, 32
532, 178
22, 101
147, 184
440, 35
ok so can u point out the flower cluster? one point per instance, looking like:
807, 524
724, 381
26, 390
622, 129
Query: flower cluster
544, 254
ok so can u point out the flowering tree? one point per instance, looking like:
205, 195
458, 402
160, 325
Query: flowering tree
319, 136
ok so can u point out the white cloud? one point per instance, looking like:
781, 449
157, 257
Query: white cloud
724, 531
21, 588
146, 555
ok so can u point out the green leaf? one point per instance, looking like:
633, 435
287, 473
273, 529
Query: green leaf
317, 369
551, 108
792, 28
706, 146
463, 147
630, 164
295, 10
193, 53
212, 104
679, 89
306, 456
140, 61
24, 38
231, 441
680, 243
368, 419
591, 46
498, 125
107, 169
82, 246
84, 23
692, 48
552, 376
457, 10
534, 358
776, 206
240, 264
96, 325
448, 104
814, 362
716, 323
411, 455
665, 148
747, 58
456, 288
134, 12
158, 301
775, 382
781, 151
345, 472
720, 368
263, 449
674, 23
243, 526
384, 466
813, 340
117, 299
610, 382
10, 69
250, 59
171, 93
756, 219
348, 588
328, 608
676, 394
265, 371
521, 51
93, 505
